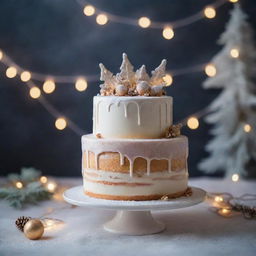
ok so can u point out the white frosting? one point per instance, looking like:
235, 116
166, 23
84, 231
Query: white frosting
119, 184
131, 117
149, 149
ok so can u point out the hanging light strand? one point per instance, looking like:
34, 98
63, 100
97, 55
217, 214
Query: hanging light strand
55, 113
8, 62
153, 24
81, 85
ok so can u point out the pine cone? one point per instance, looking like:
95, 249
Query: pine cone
173, 131
21, 222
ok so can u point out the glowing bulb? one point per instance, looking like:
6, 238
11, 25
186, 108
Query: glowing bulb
235, 177
210, 70
224, 212
50, 223
168, 79
51, 186
61, 123
193, 123
218, 199
102, 19
234, 53
19, 185
144, 22
1, 54
233, 1
25, 76
11, 72
43, 179
89, 10
247, 128
81, 84
209, 12
49, 86
35, 92
168, 33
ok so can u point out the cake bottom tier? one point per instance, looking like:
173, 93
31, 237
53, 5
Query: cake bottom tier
120, 186
134, 169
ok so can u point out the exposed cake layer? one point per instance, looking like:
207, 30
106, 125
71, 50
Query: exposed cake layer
134, 169
120, 186
131, 117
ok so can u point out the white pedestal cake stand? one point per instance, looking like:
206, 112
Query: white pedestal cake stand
133, 217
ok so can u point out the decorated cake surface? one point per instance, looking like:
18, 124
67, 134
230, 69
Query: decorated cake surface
133, 83
135, 151
131, 117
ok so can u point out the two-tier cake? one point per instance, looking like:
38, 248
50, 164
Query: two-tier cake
135, 152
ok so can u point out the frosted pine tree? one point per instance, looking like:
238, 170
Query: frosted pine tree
233, 112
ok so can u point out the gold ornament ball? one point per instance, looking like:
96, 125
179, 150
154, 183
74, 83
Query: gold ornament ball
34, 229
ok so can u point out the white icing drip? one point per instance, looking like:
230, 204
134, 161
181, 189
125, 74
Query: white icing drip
157, 149
97, 112
131, 166
87, 158
125, 110
109, 106
167, 116
139, 113
96, 116
121, 159
148, 166
138, 109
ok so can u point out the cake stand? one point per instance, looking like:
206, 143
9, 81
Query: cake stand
133, 217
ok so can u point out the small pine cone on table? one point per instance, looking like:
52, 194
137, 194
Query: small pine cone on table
21, 222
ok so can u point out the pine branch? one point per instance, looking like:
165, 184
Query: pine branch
31, 194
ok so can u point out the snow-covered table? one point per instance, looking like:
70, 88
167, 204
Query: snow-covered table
190, 231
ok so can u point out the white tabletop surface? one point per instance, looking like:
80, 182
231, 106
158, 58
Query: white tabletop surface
190, 231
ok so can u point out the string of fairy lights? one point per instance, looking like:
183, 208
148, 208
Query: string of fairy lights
102, 18
48, 86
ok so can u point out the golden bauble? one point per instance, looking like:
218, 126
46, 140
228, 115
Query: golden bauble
34, 229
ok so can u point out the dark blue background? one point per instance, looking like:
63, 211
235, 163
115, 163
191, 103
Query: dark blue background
54, 37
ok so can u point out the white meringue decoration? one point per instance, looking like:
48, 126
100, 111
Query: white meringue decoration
157, 90
121, 90
143, 87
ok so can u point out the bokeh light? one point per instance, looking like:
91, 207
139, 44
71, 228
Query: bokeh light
193, 123
144, 22
60, 123
35, 92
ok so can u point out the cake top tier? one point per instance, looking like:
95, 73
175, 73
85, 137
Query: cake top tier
133, 83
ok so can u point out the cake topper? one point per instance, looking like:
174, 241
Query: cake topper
130, 83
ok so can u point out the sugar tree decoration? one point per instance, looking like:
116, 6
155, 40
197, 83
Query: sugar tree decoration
126, 74
158, 74
233, 112
108, 78
141, 74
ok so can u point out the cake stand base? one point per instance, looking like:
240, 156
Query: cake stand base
134, 223
133, 217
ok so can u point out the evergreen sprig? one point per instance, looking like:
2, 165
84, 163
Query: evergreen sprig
32, 192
